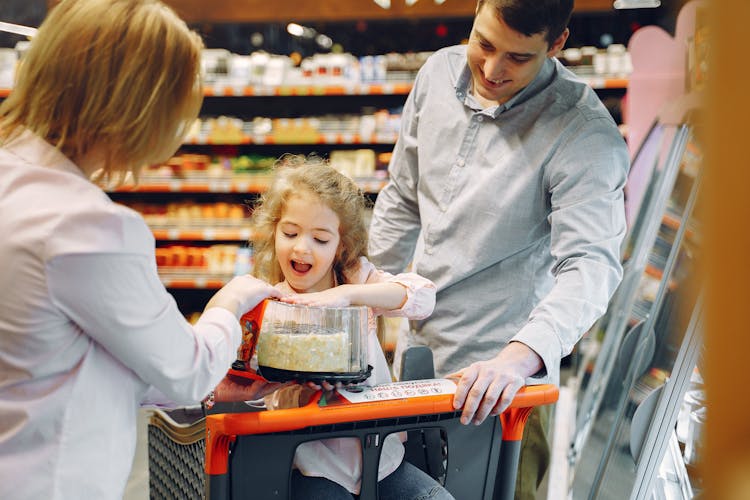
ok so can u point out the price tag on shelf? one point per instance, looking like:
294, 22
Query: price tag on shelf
220, 185
347, 138
384, 138
596, 82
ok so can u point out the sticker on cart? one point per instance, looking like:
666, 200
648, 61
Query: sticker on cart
397, 390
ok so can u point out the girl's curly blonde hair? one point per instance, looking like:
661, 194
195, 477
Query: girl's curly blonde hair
295, 175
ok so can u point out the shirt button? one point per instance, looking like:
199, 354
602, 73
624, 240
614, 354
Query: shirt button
460, 162
480, 118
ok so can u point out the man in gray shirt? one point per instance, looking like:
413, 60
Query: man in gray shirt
506, 191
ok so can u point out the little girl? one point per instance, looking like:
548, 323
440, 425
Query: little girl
313, 244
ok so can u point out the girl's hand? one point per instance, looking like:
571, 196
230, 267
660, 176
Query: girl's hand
325, 385
333, 297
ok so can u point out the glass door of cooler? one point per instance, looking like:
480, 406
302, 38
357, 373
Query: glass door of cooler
659, 154
659, 323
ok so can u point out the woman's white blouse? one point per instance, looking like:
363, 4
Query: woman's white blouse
87, 331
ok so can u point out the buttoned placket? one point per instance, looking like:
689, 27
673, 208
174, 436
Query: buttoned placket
455, 174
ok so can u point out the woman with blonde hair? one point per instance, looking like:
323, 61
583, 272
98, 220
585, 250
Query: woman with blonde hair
88, 333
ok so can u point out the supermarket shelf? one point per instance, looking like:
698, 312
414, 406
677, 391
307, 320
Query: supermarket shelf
658, 274
195, 281
202, 234
319, 138
385, 88
654, 272
602, 82
673, 221
238, 184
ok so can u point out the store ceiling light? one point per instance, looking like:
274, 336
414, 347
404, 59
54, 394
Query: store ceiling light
323, 41
18, 29
300, 31
636, 4
307, 33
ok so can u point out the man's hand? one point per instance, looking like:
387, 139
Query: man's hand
488, 387
232, 389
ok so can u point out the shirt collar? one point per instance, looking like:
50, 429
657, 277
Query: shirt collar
36, 151
540, 81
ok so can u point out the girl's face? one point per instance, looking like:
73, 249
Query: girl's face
307, 239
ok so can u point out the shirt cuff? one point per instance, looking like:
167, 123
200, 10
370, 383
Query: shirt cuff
420, 296
223, 319
547, 345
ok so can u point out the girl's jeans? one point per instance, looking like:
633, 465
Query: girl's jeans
407, 482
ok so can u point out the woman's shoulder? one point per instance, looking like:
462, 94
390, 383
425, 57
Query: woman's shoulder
95, 224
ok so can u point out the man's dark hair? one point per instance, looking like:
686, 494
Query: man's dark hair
530, 17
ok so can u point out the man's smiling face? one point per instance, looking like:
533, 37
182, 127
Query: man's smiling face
503, 61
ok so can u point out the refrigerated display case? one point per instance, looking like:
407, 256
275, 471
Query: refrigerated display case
633, 386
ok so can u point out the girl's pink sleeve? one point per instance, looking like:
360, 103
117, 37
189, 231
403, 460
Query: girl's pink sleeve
420, 292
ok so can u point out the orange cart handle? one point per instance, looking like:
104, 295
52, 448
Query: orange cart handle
224, 427
311, 414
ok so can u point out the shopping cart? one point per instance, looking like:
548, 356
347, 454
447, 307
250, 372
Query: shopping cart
249, 455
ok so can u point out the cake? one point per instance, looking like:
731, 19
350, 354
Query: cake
304, 348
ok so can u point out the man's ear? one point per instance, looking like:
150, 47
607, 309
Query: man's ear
559, 43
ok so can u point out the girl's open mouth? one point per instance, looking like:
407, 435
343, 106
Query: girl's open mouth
300, 267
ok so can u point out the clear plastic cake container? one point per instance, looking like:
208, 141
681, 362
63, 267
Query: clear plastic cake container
305, 343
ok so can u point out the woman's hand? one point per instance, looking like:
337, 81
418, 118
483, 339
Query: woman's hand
333, 297
232, 389
241, 294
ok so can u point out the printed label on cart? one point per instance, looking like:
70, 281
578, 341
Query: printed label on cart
397, 390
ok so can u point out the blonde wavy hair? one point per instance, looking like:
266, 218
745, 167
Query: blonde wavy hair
121, 75
295, 175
